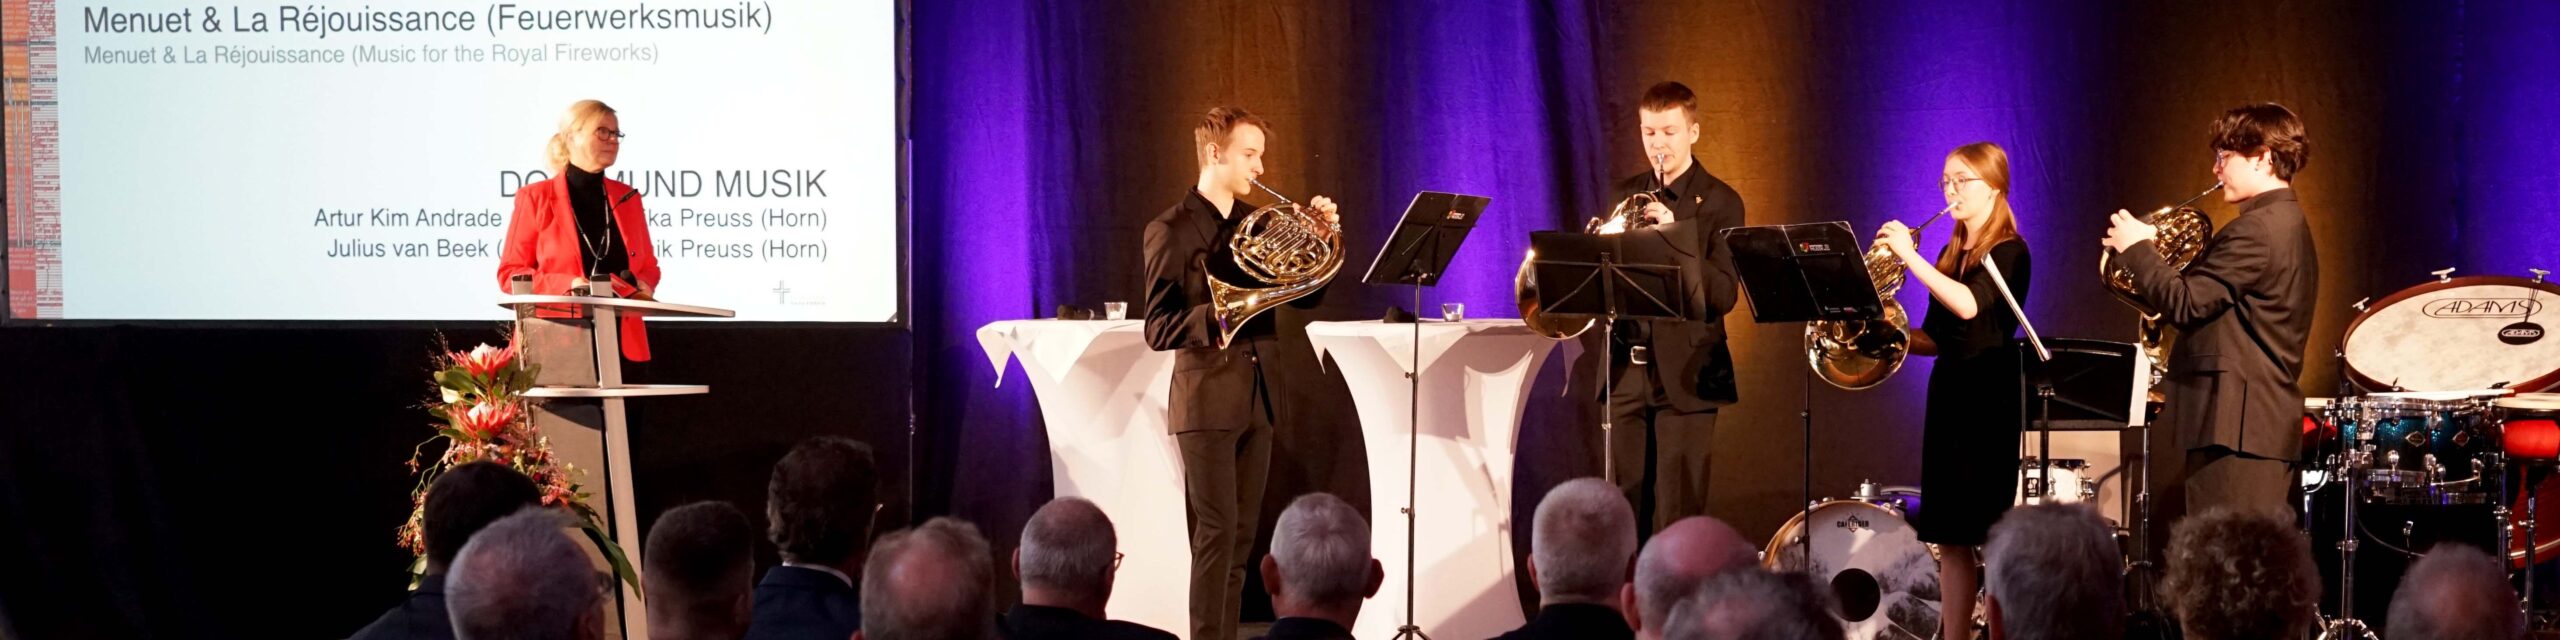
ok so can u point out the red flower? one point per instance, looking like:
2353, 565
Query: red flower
485, 361
486, 420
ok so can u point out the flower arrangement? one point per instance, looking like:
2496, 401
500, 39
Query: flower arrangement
482, 409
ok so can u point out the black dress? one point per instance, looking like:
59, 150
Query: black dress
1969, 446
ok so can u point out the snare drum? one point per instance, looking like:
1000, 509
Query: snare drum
2071, 479
1883, 577
2427, 447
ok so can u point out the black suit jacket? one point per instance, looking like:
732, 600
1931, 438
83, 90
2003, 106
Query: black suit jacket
1031, 622
1212, 388
420, 617
1691, 355
1306, 629
794, 603
2243, 311
1574, 622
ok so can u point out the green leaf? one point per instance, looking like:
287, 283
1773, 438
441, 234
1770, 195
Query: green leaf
612, 555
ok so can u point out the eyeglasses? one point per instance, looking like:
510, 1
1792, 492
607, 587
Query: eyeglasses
1954, 183
603, 133
1116, 557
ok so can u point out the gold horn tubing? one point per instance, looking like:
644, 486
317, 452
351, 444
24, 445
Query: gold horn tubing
2183, 233
1860, 354
1291, 251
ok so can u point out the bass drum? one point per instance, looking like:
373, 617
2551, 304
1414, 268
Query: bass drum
1884, 578
2458, 333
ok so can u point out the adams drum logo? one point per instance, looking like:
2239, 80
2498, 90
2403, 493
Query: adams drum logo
2483, 308
2521, 333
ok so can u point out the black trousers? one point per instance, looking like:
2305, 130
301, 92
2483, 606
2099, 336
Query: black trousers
1223, 474
1661, 454
2215, 477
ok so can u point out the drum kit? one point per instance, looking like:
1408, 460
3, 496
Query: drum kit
2456, 418
2447, 441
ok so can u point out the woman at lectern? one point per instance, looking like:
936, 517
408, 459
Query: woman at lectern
579, 229
1969, 440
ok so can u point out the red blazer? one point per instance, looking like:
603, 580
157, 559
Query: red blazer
542, 241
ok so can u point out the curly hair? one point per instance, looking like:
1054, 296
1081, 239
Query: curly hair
2241, 574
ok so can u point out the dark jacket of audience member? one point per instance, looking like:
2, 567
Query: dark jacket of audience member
820, 502
459, 503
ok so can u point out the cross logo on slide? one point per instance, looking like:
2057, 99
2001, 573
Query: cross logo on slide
779, 290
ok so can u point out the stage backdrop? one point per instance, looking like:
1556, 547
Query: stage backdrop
1047, 133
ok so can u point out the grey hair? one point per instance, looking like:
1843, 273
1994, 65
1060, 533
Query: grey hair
2456, 591
1583, 537
2055, 572
1753, 604
521, 578
932, 582
1322, 547
1069, 546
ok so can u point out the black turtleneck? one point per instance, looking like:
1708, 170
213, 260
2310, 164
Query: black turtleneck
596, 230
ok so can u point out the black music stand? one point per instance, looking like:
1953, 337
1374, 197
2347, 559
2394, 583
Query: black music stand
1804, 273
1416, 254
1607, 278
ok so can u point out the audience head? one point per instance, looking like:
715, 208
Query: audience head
2236, 575
1582, 543
932, 582
1752, 604
466, 498
1320, 565
522, 578
699, 569
821, 500
1674, 562
2054, 572
1068, 556
2455, 592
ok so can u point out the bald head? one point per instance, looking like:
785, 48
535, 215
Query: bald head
1680, 557
2456, 591
933, 582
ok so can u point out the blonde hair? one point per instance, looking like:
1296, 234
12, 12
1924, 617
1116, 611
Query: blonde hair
1992, 164
581, 114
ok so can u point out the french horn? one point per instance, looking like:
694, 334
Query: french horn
1860, 354
1288, 251
2183, 232
1627, 215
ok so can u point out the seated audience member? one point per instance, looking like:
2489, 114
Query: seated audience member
699, 569
2054, 574
1067, 563
1754, 604
523, 578
1319, 569
2456, 592
819, 506
1674, 562
2241, 575
932, 582
1582, 549
462, 500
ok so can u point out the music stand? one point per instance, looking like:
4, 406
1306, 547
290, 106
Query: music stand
1804, 273
1606, 278
1416, 254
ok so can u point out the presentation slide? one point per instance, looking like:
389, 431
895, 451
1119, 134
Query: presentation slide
361, 160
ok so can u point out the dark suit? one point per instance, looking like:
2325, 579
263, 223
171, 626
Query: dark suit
796, 602
2243, 311
1574, 622
1305, 629
1221, 411
1032, 622
1664, 413
419, 617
